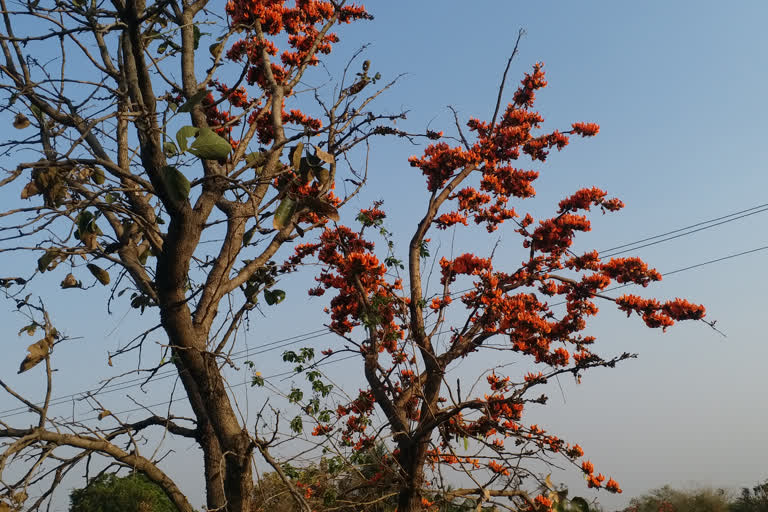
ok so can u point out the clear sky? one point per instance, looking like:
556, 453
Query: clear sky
679, 89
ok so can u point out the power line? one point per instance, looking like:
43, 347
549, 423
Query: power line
282, 374
285, 342
681, 232
690, 267
134, 382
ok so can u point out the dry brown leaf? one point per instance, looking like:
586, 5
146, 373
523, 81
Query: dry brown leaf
36, 353
20, 121
70, 282
321, 207
323, 176
325, 156
19, 498
89, 240
29, 190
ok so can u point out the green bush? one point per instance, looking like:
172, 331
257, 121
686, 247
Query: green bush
112, 493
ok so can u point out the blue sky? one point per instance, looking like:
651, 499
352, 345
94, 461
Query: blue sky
679, 91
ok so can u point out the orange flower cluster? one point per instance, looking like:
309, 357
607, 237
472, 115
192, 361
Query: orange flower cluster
525, 95
498, 468
585, 198
586, 129
509, 304
439, 303
630, 270
467, 264
321, 430
655, 314
371, 216
301, 26
613, 486
556, 235
497, 383
440, 161
596, 481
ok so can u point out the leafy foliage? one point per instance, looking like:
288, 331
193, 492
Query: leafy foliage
668, 499
112, 493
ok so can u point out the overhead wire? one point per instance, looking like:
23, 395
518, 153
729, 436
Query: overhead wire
135, 382
684, 231
292, 340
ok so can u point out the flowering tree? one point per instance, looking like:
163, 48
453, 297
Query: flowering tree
394, 324
164, 151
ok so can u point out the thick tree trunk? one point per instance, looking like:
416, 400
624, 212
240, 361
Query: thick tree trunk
411, 459
215, 497
225, 443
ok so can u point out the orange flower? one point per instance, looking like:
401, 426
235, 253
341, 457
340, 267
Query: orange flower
586, 129
612, 486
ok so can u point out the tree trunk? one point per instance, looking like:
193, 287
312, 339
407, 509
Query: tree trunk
411, 459
215, 497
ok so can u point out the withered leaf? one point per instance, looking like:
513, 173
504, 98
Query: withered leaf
20, 121
99, 273
70, 282
29, 190
325, 156
36, 352
321, 207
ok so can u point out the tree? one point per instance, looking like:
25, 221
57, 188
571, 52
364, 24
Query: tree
667, 499
111, 493
751, 500
157, 150
394, 322
165, 151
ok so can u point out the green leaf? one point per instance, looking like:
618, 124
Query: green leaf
110, 198
194, 100
248, 236
295, 395
177, 185
198, 34
170, 149
85, 222
297, 425
98, 176
254, 159
466, 444
284, 213
273, 297
36, 111
210, 146
183, 134
579, 504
